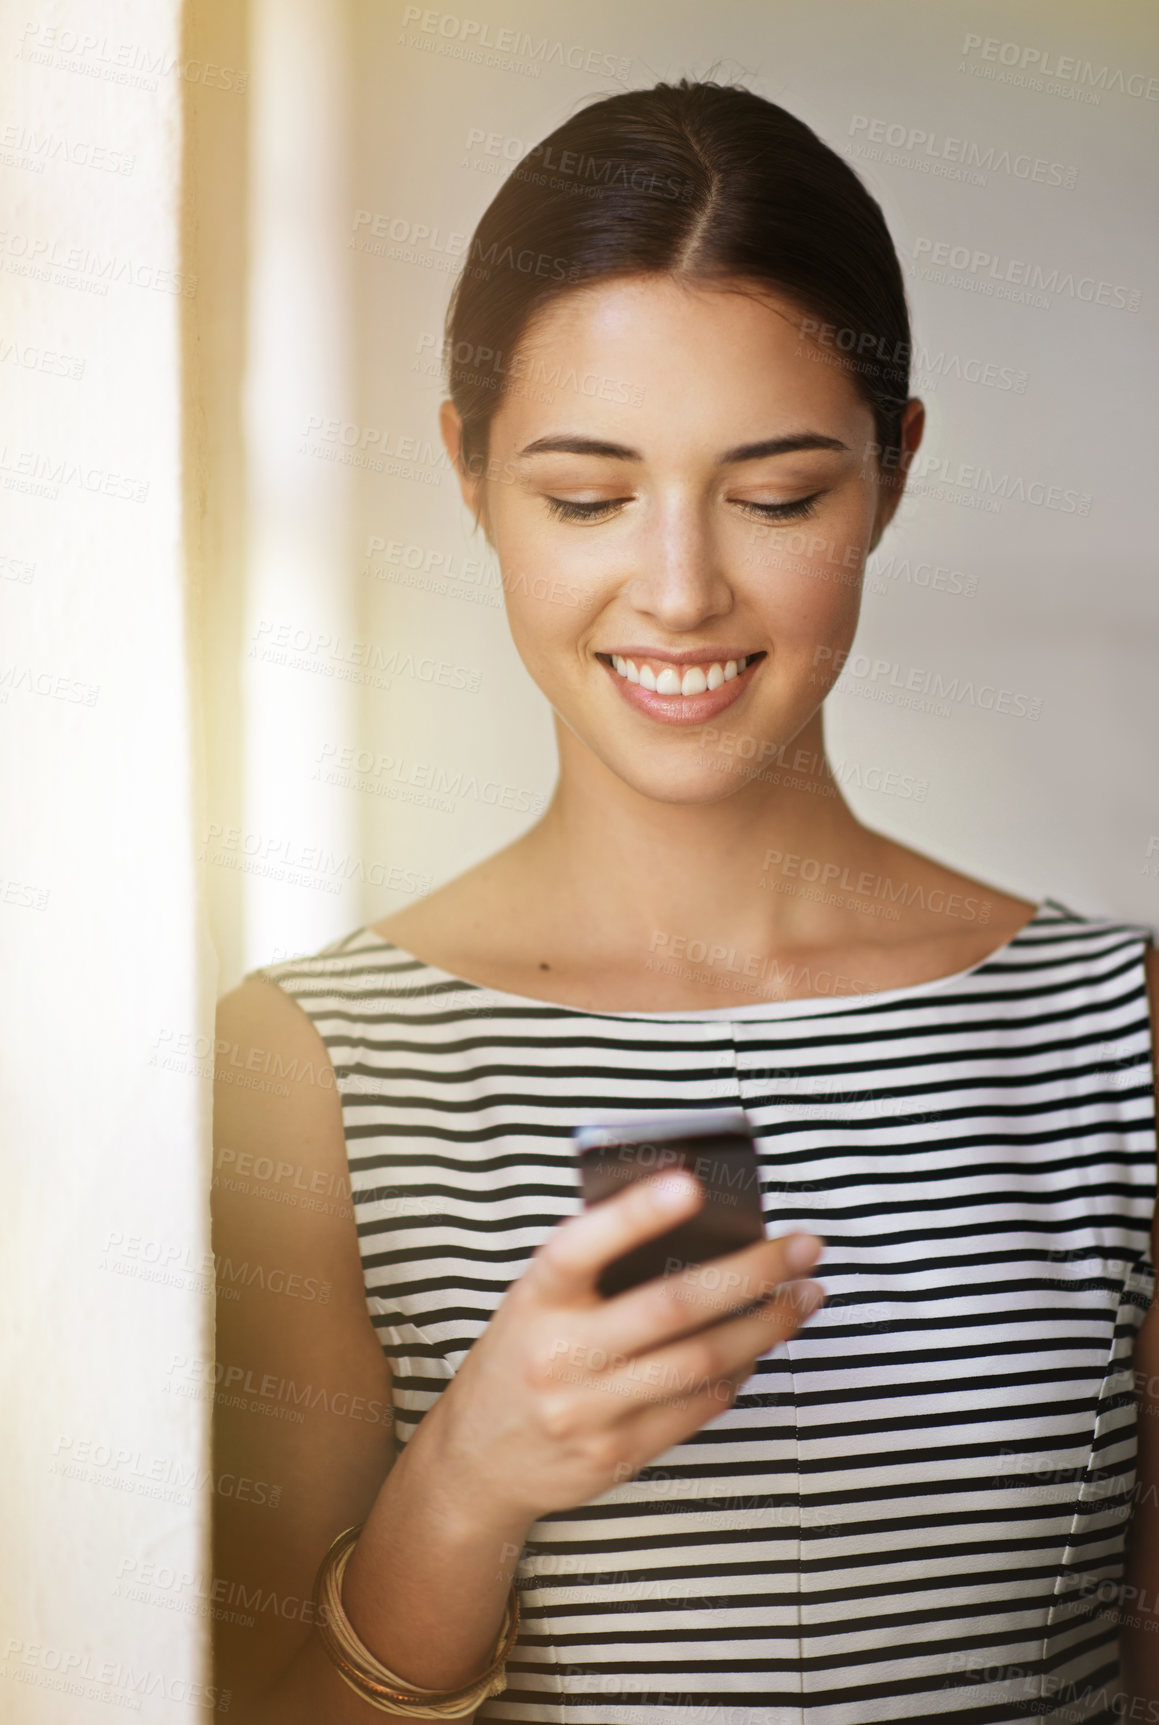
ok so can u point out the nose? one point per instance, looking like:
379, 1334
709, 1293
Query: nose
680, 579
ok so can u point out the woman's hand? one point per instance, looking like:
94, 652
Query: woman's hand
566, 1393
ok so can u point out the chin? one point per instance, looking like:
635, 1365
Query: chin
690, 783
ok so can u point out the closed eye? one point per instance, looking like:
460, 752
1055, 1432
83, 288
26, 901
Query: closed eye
565, 510
784, 511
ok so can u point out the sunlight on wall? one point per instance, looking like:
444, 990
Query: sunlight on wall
301, 656
104, 1286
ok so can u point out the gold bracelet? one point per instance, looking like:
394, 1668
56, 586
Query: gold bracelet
373, 1680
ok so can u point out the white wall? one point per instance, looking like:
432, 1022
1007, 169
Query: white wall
104, 1147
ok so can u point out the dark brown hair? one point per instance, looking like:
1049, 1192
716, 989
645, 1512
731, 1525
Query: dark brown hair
699, 180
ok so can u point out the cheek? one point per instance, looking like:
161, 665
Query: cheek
806, 597
551, 589
540, 626
807, 579
548, 611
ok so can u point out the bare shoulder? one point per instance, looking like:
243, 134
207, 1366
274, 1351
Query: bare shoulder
944, 905
294, 1104
454, 926
302, 1390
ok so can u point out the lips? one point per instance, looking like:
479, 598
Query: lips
689, 691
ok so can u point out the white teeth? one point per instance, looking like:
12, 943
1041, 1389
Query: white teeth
671, 680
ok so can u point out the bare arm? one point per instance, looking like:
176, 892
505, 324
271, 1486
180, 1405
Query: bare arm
303, 1414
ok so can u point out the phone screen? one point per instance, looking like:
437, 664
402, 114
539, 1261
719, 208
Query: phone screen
717, 1145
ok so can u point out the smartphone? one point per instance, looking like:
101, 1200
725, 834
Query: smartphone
717, 1145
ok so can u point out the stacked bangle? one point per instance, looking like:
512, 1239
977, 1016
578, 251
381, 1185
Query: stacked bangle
375, 1682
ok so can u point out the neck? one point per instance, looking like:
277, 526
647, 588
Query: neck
727, 872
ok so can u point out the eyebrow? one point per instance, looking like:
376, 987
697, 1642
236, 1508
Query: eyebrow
570, 444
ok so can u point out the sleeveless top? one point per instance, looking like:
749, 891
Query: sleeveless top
916, 1508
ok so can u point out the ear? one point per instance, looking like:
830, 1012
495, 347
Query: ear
471, 485
891, 483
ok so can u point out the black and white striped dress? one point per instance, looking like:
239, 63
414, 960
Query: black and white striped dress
916, 1509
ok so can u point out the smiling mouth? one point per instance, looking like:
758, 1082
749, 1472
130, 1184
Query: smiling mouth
661, 677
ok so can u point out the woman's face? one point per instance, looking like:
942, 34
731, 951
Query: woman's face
693, 507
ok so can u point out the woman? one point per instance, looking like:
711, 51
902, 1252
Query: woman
909, 1499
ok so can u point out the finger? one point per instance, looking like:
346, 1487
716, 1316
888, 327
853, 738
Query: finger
642, 1318
658, 1428
566, 1267
687, 1368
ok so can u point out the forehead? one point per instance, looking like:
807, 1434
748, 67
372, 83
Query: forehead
660, 358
